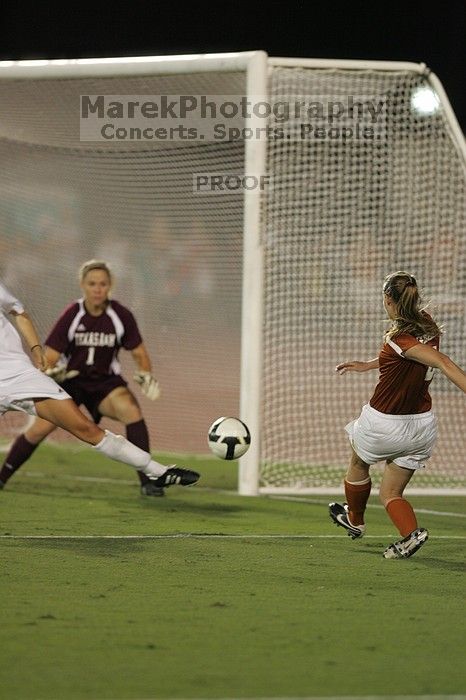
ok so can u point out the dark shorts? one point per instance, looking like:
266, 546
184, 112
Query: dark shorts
90, 392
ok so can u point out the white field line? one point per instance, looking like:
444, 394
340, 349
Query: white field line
315, 501
297, 499
205, 536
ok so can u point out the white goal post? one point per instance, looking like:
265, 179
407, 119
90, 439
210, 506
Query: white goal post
250, 297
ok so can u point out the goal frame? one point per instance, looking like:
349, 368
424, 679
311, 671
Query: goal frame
255, 64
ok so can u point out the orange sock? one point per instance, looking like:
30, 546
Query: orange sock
402, 514
357, 495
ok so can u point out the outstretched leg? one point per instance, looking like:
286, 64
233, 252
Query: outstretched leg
65, 414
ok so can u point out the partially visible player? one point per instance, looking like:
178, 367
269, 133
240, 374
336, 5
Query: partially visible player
397, 425
88, 334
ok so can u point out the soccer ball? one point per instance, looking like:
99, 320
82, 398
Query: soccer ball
229, 438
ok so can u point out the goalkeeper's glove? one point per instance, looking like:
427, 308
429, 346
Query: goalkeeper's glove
149, 385
60, 374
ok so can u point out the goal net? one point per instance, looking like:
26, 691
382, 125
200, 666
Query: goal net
246, 299
343, 213
176, 254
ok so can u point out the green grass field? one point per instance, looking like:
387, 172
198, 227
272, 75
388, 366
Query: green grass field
205, 594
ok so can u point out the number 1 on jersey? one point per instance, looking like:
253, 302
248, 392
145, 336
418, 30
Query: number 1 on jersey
90, 356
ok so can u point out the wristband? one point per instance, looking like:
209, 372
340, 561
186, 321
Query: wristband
37, 345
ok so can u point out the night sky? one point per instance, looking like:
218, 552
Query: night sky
403, 30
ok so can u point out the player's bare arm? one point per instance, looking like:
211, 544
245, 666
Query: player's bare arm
356, 366
143, 375
52, 356
141, 358
28, 331
431, 357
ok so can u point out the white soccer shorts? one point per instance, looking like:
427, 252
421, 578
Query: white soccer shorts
406, 440
16, 394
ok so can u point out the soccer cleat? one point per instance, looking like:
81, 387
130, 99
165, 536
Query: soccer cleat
339, 514
408, 545
1, 485
176, 475
150, 489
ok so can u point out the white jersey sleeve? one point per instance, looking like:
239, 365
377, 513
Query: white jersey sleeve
8, 302
13, 359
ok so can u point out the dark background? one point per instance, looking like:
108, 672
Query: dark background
403, 30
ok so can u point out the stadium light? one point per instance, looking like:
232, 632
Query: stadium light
425, 101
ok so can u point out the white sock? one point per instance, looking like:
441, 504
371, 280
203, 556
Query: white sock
154, 468
120, 449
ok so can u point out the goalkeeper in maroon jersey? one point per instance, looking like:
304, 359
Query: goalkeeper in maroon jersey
397, 425
82, 354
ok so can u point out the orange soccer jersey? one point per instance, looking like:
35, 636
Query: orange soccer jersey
403, 386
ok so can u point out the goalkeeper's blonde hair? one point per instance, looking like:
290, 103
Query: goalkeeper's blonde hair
95, 265
411, 316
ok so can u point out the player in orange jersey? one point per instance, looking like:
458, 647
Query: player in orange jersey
397, 425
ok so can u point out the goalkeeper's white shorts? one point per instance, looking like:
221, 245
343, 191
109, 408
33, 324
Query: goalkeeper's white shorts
406, 440
16, 393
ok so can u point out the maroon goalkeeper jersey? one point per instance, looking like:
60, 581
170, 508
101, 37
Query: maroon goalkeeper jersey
91, 343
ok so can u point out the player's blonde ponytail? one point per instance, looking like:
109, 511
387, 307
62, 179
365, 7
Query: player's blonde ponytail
411, 317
